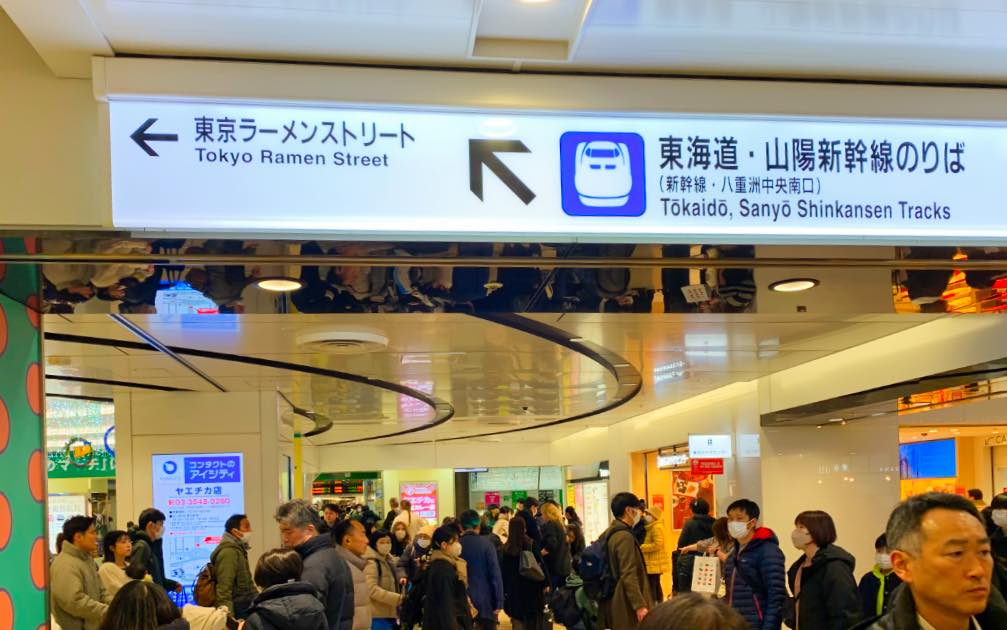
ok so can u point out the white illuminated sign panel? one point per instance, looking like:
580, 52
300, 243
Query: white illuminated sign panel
197, 492
709, 446
406, 173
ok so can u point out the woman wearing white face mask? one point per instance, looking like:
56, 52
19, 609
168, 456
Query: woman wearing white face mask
878, 584
382, 582
822, 582
415, 557
997, 528
446, 604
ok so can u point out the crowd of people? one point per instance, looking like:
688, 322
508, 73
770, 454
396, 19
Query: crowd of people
939, 566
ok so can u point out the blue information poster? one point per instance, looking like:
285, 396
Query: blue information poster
197, 492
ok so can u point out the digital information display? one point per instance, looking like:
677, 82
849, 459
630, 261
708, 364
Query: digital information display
197, 492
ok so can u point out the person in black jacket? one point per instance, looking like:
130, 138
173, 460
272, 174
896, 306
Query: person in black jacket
878, 585
285, 601
822, 582
393, 511
754, 573
446, 603
529, 514
697, 528
148, 548
524, 598
324, 568
555, 548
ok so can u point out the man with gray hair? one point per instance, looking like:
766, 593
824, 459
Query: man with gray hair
323, 568
941, 551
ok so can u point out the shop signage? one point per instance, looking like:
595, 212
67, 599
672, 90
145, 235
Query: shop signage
61, 507
708, 466
492, 498
422, 498
79, 458
707, 446
197, 492
672, 460
996, 440
372, 173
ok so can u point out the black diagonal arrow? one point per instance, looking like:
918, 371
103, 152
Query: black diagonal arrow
483, 152
141, 137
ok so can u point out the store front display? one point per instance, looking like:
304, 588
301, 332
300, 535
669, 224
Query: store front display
508, 485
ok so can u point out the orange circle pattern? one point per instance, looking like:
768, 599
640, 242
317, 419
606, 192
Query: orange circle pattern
34, 309
6, 521
6, 611
33, 387
38, 562
4, 426
36, 480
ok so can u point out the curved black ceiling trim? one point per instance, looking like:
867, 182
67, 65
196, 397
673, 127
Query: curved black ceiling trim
628, 377
114, 383
322, 422
82, 397
443, 410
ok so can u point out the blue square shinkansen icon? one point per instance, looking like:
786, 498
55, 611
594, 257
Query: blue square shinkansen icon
602, 174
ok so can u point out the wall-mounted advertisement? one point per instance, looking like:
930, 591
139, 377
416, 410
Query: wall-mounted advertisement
422, 497
61, 508
80, 438
197, 492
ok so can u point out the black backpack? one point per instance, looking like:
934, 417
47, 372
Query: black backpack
595, 570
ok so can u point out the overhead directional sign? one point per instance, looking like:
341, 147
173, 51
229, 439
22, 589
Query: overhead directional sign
407, 174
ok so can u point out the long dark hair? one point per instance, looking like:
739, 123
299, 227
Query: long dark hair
139, 606
517, 537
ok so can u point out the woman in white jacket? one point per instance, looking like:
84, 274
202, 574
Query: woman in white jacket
382, 581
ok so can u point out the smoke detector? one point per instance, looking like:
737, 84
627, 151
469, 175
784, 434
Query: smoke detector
342, 341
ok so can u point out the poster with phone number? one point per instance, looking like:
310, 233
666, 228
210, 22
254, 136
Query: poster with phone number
686, 488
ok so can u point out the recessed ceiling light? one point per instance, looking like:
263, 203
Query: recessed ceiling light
279, 284
794, 285
835, 419
933, 430
578, 340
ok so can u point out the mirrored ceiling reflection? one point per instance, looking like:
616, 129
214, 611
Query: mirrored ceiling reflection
220, 276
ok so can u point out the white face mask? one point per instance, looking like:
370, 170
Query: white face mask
400, 534
884, 561
637, 517
246, 537
422, 543
455, 550
800, 538
1000, 518
384, 548
648, 519
737, 529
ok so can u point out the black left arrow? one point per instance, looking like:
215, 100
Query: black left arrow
141, 137
483, 152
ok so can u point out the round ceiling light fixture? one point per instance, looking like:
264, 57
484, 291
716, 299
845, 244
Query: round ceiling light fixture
279, 284
794, 285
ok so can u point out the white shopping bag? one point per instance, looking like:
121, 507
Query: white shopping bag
706, 575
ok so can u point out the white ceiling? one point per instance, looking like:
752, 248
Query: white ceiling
496, 377
944, 40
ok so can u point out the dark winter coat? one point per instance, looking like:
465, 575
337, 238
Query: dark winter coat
150, 555
870, 585
697, 528
828, 599
523, 598
413, 558
756, 581
326, 570
291, 605
485, 583
632, 588
557, 561
532, 525
903, 613
446, 603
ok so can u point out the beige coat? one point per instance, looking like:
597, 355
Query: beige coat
382, 585
632, 591
361, 594
79, 600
